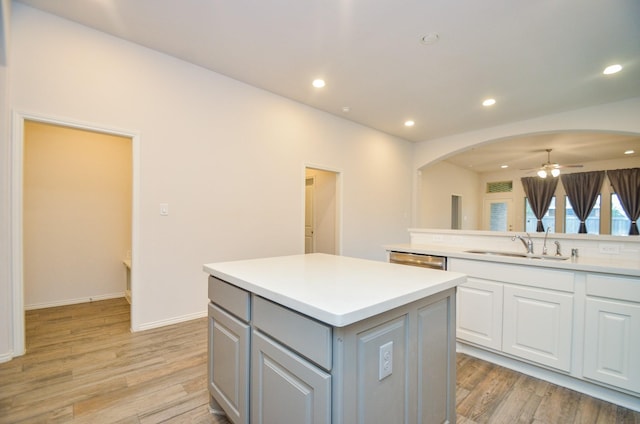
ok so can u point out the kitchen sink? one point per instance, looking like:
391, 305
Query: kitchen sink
517, 255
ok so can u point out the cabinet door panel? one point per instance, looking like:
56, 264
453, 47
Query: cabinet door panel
285, 388
229, 363
380, 398
479, 313
436, 363
612, 343
538, 326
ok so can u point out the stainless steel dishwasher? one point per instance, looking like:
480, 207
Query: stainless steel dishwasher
418, 259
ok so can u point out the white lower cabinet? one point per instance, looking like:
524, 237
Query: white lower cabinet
538, 325
479, 313
578, 325
612, 332
515, 310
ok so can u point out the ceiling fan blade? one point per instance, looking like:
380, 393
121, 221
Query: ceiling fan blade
570, 166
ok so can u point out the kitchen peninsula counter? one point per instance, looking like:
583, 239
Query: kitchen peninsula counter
603, 263
569, 321
331, 339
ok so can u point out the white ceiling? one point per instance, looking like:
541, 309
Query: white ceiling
534, 57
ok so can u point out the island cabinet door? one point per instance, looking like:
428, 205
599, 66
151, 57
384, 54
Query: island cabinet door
229, 364
285, 388
538, 325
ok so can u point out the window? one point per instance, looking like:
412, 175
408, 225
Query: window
500, 187
619, 222
499, 219
572, 223
548, 220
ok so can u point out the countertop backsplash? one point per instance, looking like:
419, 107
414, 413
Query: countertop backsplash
625, 248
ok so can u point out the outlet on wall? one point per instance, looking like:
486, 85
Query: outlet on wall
609, 248
385, 362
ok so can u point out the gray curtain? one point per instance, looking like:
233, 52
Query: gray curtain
539, 191
626, 184
583, 189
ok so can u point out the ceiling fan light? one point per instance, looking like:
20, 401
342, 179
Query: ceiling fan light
542, 173
555, 172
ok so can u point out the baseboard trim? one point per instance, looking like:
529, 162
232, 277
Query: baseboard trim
73, 301
170, 321
594, 390
6, 357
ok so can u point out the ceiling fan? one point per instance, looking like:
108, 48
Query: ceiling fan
552, 168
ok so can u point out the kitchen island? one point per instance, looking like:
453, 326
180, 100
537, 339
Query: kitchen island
330, 339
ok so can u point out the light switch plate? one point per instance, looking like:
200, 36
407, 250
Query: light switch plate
164, 209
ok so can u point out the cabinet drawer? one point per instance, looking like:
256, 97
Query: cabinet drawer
525, 275
304, 335
623, 288
229, 297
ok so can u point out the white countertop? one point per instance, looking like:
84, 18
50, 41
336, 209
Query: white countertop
337, 290
604, 264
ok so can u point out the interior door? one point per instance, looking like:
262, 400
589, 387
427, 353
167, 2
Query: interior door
498, 215
309, 239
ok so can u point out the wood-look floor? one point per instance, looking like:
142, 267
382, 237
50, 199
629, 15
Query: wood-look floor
83, 365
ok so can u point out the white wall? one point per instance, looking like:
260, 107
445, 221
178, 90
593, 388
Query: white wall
76, 215
438, 183
620, 117
227, 157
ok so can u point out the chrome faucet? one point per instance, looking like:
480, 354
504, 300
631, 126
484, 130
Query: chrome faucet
544, 245
558, 253
528, 243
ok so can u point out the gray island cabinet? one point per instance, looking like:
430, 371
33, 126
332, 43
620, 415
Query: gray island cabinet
331, 339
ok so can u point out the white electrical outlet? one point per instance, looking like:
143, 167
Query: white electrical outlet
385, 362
164, 209
610, 248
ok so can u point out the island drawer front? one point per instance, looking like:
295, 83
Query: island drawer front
603, 285
304, 335
229, 297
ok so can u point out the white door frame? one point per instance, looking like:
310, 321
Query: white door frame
17, 165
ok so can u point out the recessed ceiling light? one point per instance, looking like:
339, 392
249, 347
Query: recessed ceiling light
346, 109
489, 102
409, 123
504, 166
629, 152
318, 83
612, 69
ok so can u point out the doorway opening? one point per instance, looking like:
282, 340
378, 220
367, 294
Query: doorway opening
498, 214
456, 212
321, 217
74, 197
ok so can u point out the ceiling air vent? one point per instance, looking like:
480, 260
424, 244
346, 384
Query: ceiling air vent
500, 187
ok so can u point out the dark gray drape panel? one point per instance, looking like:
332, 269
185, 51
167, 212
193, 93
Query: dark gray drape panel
626, 184
539, 191
582, 189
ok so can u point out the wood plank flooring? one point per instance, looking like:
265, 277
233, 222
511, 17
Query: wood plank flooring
83, 365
